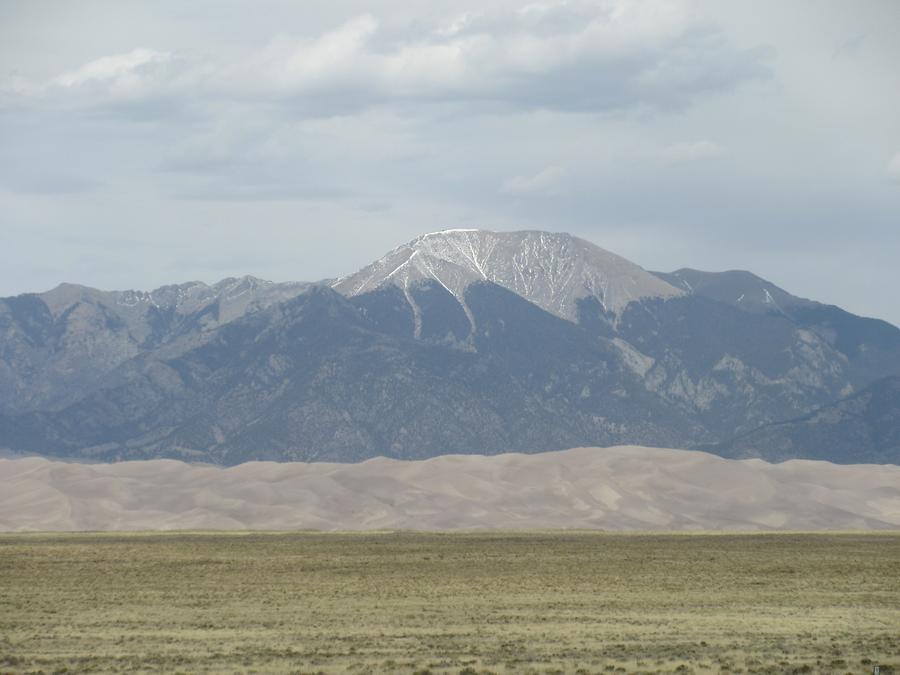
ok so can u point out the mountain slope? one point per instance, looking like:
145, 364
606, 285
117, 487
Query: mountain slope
631, 488
731, 368
864, 427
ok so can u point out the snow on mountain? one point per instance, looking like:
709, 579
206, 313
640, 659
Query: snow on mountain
552, 270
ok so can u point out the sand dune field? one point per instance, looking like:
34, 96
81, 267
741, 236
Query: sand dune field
621, 488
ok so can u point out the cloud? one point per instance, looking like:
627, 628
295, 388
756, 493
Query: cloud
681, 153
568, 56
557, 56
121, 70
338, 58
545, 179
241, 159
141, 75
849, 47
893, 168
47, 182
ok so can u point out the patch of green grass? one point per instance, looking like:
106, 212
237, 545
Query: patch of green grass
450, 603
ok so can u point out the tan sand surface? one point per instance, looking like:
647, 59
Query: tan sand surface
621, 488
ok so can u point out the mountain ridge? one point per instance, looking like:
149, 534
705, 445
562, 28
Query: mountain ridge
740, 288
64, 339
255, 370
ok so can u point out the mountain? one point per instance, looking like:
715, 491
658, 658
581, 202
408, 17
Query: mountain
623, 488
727, 363
316, 378
869, 346
457, 342
554, 271
739, 288
865, 425
58, 344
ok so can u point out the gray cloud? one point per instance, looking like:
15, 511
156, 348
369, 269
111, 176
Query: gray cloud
850, 46
587, 56
545, 179
693, 151
230, 123
893, 167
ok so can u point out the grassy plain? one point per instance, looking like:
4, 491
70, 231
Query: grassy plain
406, 602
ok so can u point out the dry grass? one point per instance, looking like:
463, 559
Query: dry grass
536, 602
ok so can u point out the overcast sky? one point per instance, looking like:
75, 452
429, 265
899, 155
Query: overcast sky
158, 142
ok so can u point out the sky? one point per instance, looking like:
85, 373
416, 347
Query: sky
148, 143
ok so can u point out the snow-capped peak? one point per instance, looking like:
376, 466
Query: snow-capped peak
552, 270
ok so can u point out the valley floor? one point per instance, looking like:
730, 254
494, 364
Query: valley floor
417, 602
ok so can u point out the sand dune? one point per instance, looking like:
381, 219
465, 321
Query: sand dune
620, 488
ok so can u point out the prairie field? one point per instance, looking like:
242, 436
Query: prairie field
538, 602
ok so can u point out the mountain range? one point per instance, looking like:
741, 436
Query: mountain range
462, 341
